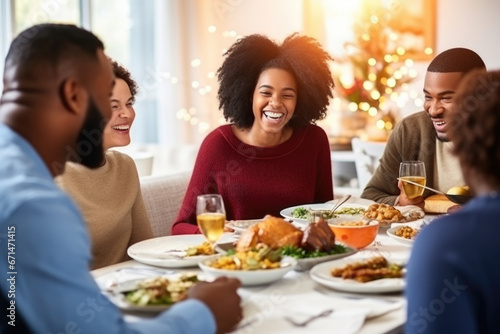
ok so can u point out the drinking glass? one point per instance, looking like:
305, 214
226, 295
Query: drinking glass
211, 216
412, 171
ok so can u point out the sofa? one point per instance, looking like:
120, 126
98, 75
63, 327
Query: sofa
163, 196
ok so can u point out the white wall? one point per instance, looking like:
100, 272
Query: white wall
471, 24
274, 18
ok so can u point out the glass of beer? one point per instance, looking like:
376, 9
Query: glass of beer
412, 171
211, 216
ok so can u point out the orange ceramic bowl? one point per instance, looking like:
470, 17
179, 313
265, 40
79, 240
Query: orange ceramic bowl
356, 236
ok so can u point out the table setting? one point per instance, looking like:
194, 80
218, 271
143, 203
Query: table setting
309, 297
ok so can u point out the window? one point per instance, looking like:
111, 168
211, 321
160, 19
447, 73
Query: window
123, 26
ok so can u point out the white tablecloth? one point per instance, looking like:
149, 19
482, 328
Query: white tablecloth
298, 296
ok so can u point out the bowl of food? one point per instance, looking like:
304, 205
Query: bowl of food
252, 267
357, 234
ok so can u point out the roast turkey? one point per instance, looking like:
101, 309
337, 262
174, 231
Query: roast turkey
276, 233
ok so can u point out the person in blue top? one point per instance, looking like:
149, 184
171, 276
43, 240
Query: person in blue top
454, 272
54, 107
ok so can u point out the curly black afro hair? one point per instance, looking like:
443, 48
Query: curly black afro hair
302, 56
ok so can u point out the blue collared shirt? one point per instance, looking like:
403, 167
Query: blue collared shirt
47, 274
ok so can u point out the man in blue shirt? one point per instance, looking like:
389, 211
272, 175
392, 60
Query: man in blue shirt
57, 84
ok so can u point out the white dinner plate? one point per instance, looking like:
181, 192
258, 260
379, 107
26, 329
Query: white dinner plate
240, 226
287, 213
392, 234
121, 302
169, 251
251, 277
321, 273
117, 296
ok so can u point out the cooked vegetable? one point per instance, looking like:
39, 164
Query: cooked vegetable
299, 213
161, 290
203, 249
261, 258
350, 211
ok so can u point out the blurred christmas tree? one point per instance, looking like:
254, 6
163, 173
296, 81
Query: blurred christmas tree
375, 71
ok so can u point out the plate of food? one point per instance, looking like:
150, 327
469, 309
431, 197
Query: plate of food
154, 294
253, 267
373, 275
306, 259
309, 245
403, 234
387, 214
300, 213
175, 251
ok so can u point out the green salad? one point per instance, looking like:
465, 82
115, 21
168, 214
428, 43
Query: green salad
300, 213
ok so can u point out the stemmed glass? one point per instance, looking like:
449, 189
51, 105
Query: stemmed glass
412, 171
211, 216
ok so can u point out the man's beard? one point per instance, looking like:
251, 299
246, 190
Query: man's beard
89, 145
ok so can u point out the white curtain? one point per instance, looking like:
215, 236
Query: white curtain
188, 55
191, 36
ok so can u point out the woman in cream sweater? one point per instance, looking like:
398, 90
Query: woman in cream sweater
110, 197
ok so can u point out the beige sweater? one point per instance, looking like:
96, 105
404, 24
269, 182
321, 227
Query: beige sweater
111, 203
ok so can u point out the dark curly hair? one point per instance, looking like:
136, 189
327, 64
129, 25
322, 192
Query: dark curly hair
122, 73
474, 127
301, 56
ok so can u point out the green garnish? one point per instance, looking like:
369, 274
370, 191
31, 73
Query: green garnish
301, 253
299, 213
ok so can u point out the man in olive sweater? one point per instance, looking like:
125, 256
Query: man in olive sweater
422, 136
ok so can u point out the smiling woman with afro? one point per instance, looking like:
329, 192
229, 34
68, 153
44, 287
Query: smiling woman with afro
272, 155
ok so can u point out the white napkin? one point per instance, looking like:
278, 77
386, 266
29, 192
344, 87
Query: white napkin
413, 210
266, 314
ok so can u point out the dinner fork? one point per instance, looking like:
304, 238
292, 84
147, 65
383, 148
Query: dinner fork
310, 319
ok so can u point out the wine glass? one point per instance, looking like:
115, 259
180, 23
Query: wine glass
412, 171
211, 216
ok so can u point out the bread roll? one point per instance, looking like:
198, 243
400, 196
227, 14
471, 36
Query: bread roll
437, 204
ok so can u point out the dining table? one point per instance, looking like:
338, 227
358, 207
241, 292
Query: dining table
297, 296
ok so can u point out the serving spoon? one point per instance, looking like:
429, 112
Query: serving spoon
326, 212
458, 199
341, 201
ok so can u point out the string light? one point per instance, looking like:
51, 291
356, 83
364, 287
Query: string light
374, 74
190, 115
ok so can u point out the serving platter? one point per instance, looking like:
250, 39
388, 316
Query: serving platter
287, 213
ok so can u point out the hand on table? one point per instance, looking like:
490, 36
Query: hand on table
403, 200
227, 310
227, 228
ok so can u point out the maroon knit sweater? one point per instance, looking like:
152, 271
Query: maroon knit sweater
256, 181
